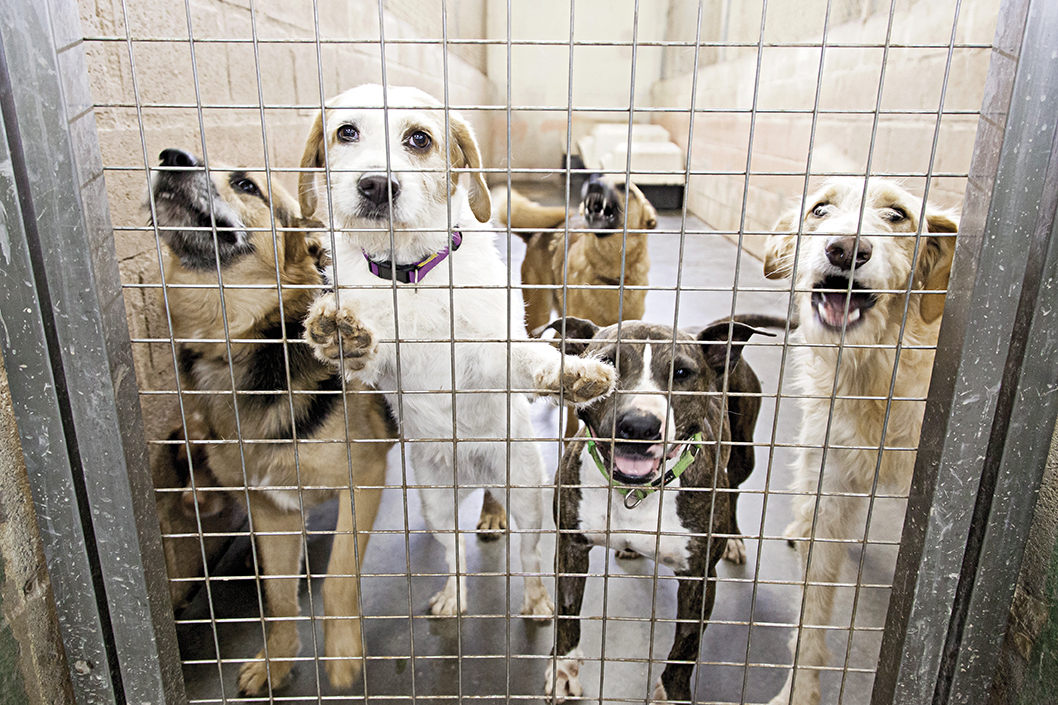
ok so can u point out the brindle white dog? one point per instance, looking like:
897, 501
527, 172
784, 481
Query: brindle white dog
276, 377
668, 449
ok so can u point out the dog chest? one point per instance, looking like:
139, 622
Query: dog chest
605, 520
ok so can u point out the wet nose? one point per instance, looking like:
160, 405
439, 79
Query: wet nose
177, 157
376, 188
639, 426
840, 251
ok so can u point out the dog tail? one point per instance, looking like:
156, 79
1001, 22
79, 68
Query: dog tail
758, 320
526, 214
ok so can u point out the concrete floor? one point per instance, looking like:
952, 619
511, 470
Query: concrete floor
492, 658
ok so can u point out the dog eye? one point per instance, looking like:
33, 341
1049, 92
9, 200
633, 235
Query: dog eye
348, 133
419, 140
681, 373
894, 215
820, 210
246, 186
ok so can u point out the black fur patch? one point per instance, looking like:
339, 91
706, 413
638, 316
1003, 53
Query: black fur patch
186, 358
266, 371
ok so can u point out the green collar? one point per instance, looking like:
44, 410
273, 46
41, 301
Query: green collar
634, 495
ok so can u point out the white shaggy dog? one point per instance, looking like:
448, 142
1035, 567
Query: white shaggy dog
882, 266
388, 167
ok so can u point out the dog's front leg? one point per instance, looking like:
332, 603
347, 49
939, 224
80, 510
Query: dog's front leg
694, 599
342, 335
278, 540
341, 630
545, 371
562, 679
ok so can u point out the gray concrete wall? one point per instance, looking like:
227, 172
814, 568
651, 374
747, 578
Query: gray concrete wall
32, 662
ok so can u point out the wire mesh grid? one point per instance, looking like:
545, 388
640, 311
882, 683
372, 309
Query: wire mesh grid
254, 488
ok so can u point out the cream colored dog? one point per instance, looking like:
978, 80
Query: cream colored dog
458, 326
852, 293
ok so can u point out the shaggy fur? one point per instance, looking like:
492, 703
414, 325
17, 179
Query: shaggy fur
388, 168
187, 201
882, 266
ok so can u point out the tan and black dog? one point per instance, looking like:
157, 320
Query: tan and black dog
223, 221
650, 459
596, 240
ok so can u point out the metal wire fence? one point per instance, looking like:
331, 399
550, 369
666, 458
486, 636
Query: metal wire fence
273, 469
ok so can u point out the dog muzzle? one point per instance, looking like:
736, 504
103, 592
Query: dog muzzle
676, 463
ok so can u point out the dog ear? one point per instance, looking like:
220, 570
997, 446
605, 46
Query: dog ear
579, 333
935, 262
715, 347
464, 153
650, 214
779, 252
311, 159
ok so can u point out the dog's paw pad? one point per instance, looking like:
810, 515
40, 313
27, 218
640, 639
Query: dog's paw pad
493, 521
735, 551
337, 333
587, 381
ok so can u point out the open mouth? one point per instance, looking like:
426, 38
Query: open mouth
829, 297
635, 463
600, 213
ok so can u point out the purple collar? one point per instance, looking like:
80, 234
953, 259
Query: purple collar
411, 273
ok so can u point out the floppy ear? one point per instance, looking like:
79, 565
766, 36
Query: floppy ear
714, 342
579, 333
778, 255
464, 153
311, 159
935, 262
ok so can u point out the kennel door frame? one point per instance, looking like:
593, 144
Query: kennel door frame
69, 362
991, 409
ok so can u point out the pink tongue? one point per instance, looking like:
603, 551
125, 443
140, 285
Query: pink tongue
834, 305
635, 466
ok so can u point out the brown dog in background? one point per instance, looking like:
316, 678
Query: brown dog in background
281, 479
596, 289
596, 239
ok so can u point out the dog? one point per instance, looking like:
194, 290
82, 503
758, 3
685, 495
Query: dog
851, 294
606, 271
389, 172
645, 451
223, 220
597, 251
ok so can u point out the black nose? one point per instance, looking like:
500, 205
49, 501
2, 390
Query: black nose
177, 157
376, 188
840, 249
639, 426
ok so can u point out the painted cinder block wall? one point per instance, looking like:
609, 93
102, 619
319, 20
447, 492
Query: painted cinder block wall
222, 76
850, 82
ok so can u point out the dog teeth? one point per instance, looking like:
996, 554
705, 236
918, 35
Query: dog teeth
854, 315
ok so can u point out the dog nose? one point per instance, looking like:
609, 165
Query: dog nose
177, 157
376, 188
840, 249
639, 426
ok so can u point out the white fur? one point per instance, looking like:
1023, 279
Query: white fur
635, 529
863, 372
563, 677
428, 317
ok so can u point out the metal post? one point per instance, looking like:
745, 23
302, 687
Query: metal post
991, 408
67, 351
